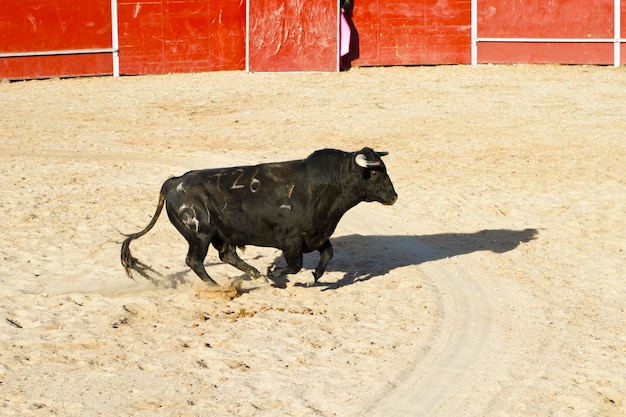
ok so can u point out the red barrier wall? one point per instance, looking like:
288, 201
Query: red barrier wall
293, 35
402, 32
45, 25
160, 36
569, 19
181, 35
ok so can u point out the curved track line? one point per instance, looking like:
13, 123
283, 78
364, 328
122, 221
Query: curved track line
465, 330
443, 378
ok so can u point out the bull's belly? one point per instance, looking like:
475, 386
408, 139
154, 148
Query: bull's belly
248, 240
243, 231
273, 237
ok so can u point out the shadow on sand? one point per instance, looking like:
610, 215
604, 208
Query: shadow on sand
364, 257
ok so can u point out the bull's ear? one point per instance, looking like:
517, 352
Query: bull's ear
383, 153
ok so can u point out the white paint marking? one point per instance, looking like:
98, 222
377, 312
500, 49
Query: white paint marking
255, 184
190, 222
236, 184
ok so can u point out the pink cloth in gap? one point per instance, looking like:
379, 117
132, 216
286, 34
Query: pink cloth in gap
345, 36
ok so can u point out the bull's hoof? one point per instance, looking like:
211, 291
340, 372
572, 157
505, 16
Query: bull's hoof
311, 281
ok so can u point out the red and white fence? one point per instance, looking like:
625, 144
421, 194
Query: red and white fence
55, 38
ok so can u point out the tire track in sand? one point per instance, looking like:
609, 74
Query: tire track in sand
447, 374
445, 369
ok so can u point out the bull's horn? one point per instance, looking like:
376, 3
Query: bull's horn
362, 161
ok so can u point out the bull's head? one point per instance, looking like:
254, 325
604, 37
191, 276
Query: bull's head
378, 186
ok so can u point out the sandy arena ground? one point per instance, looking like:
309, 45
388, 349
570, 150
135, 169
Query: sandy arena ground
494, 287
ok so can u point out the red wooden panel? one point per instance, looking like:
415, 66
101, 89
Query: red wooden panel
44, 25
545, 53
364, 14
545, 19
623, 20
623, 32
48, 25
186, 36
160, 36
228, 34
141, 37
403, 32
554, 19
55, 66
297, 35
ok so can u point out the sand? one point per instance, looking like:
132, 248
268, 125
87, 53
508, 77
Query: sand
493, 287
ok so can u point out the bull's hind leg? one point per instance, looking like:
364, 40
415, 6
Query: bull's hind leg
228, 254
198, 249
196, 229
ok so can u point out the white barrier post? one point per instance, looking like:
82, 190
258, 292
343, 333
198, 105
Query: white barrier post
115, 39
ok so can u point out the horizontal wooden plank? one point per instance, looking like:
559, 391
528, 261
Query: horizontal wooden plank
545, 53
56, 66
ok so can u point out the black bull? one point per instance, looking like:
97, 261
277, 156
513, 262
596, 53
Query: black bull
294, 206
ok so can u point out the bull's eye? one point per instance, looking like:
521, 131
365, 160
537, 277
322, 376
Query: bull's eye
374, 173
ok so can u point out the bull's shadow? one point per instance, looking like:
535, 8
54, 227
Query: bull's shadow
362, 257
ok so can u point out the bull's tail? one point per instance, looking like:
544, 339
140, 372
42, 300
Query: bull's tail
128, 262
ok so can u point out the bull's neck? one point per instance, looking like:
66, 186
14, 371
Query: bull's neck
344, 201
340, 198
336, 188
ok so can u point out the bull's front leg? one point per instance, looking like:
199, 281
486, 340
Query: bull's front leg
294, 264
326, 254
